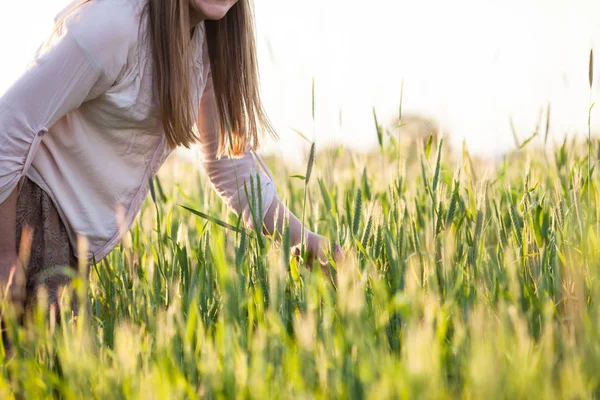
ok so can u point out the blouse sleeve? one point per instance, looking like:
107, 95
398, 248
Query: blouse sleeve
81, 62
231, 177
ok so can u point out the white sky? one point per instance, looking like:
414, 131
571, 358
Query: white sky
470, 63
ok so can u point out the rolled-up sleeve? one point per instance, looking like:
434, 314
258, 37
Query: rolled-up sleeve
80, 63
231, 177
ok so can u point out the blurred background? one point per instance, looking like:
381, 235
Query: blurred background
469, 67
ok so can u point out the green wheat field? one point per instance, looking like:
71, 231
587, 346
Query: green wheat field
463, 278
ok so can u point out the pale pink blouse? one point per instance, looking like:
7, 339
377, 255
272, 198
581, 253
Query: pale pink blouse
80, 123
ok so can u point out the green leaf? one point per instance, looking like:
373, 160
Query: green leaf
378, 129
529, 139
302, 135
325, 194
213, 220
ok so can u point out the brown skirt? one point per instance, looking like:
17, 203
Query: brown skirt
51, 254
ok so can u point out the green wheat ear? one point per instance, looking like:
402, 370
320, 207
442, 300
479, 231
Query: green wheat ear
591, 68
309, 170
311, 162
357, 213
379, 130
436, 175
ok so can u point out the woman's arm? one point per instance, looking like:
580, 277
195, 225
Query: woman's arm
231, 179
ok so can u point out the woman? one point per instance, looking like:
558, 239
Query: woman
119, 85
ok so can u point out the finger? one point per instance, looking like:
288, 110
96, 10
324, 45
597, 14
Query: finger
296, 251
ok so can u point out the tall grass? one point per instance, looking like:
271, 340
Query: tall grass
463, 279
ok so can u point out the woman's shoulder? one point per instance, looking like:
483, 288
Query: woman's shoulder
106, 30
110, 22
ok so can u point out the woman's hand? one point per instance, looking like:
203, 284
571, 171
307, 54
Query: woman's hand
318, 248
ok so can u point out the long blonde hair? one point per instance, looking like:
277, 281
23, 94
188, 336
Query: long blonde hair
232, 53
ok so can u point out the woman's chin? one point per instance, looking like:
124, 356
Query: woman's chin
215, 17
214, 12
